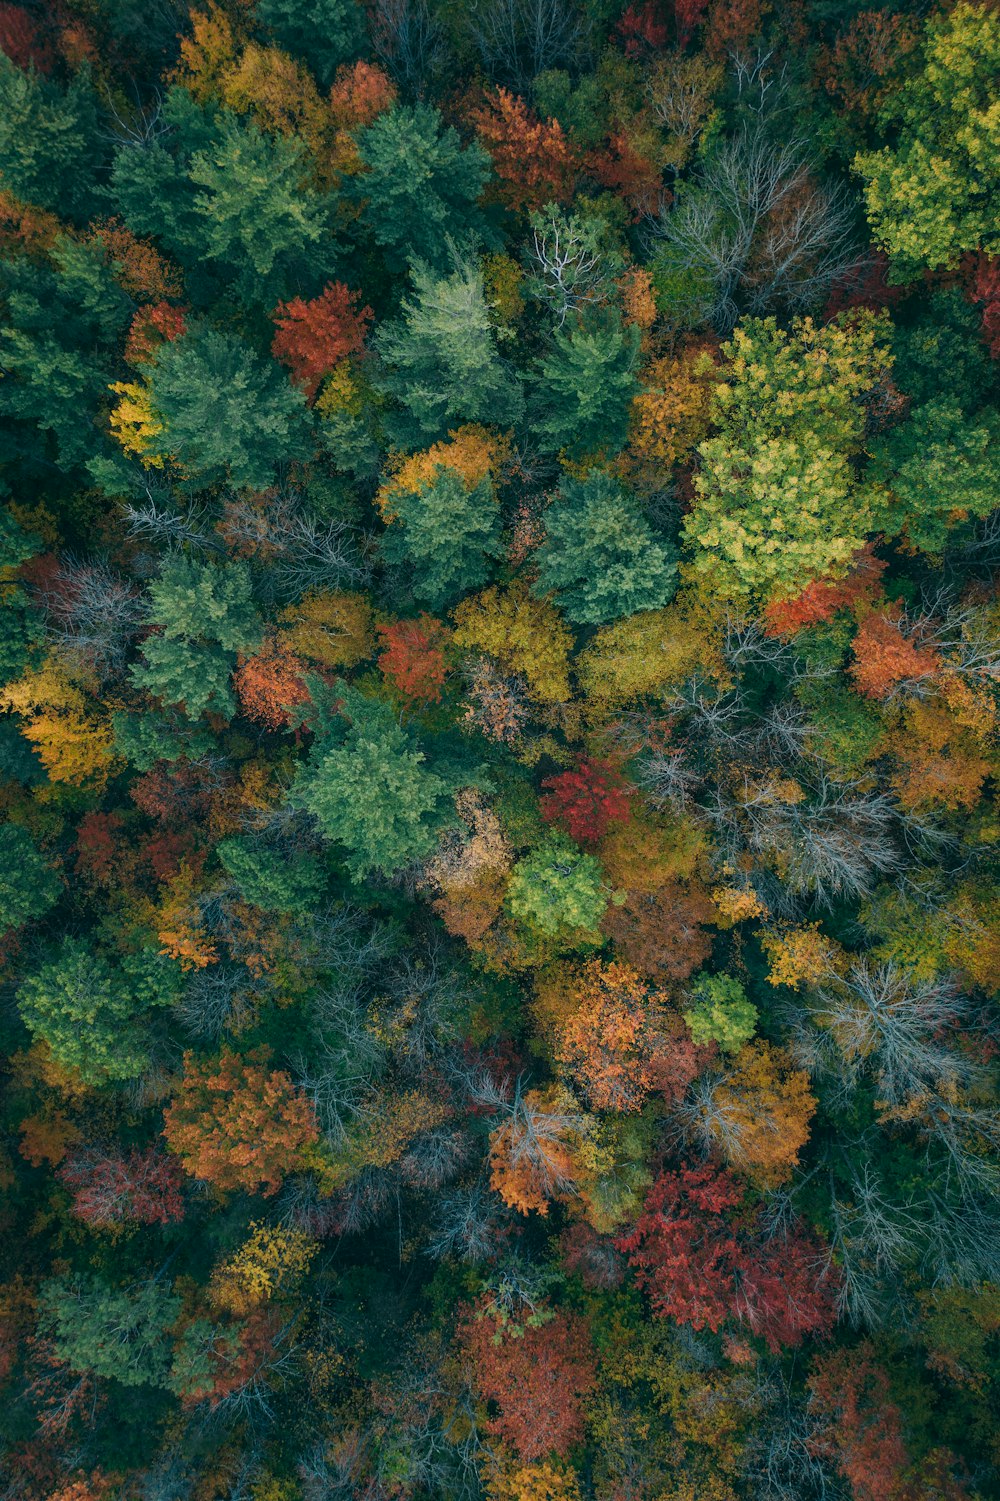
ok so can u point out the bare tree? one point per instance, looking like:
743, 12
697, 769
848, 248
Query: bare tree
759, 229
93, 614
571, 265
407, 40
470, 1223
518, 39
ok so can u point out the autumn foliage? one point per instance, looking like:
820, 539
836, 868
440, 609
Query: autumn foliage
311, 337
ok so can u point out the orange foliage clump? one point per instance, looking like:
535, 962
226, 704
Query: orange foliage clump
860, 1427
822, 599
150, 327
760, 1113
413, 658
24, 226
470, 451
884, 658
619, 1042
533, 1152
142, 270
311, 337
631, 166
270, 685
47, 1137
670, 414
536, 1381
533, 160
238, 1124
939, 763
359, 94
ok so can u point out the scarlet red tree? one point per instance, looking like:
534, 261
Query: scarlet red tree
585, 801
311, 337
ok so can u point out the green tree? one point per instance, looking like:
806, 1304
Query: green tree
440, 362
932, 195
448, 534
89, 1012
557, 888
227, 415
29, 886
270, 879
63, 316
370, 787
600, 557
322, 33
120, 1335
50, 146
779, 504
204, 614
419, 188
940, 467
721, 1012
585, 384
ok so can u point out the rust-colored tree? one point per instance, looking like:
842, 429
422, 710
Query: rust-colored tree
860, 1426
534, 161
538, 1380
311, 337
111, 1188
238, 1124
413, 657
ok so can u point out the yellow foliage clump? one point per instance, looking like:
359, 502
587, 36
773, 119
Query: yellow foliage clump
799, 956
270, 1262
525, 635
72, 744
330, 627
736, 904
652, 652
543, 1481
470, 451
671, 414
134, 424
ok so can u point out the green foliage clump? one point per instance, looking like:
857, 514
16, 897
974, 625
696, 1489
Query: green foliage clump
721, 1012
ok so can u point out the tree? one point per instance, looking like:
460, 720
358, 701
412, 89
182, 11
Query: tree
600, 557
788, 420
413, 657
29, 886
311, 337
533, 160
620, 1042
439, 360
860, 1426
884, 658
721, 1012
538, 1381
111, 1188
757, 1115
928, 196
448, 534
225, 415
556, 889
269, 878
585, 386
91, 1014
662, 932
238, 1124
49, 140
527, 636
419, 188
326, 34
370, 787
571, 259
271, 685
586, 800
117, 1334
535, 1150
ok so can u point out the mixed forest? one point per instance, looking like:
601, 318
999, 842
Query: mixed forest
499, 759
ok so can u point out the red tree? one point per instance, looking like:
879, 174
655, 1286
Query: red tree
861, 1430
586, 801
110, 1188
883, 658
270, 685
151, 327
414, 658
822, 599
538, 1379
20, 40
311, 337
642, 28
701, 1265
984, 288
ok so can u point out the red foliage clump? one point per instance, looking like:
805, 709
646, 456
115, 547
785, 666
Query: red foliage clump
621, 167
700, 1265
821, 599
533, 160
270, 684
311, 337
20, 40
642, 28
152, 326
538, 1380
663, 933
864, 285
883, 658
110, 1188
984, 287
687, 15
585, 801
413, 658
861, 1430
98, 845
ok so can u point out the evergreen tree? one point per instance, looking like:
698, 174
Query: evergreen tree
584, 386
448, 534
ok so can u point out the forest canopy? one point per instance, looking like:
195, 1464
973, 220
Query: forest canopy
499, 758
